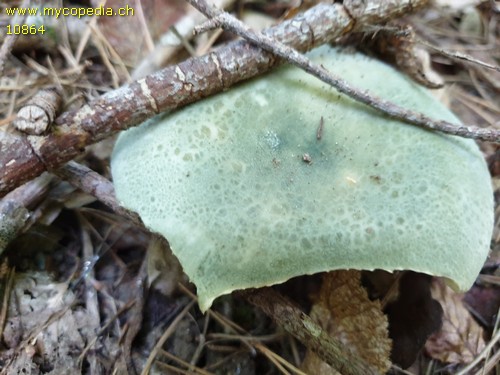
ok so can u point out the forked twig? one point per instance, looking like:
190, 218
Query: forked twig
24, 157
219, 18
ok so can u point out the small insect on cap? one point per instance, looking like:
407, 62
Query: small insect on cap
228, 183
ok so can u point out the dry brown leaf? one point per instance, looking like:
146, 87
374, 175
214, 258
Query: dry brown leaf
343, 309
460, 338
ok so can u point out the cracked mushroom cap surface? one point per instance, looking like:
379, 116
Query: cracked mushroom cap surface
283, 176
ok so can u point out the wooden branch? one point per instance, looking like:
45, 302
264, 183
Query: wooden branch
94, 184
225, 20
39, 112
25, 157
307, 331
15, 208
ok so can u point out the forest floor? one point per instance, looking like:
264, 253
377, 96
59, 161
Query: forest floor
87, 290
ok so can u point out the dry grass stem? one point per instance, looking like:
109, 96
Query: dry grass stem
168, 332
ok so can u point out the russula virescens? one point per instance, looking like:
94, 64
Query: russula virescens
283, 176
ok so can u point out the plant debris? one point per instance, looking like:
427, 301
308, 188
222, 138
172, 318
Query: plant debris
79, 295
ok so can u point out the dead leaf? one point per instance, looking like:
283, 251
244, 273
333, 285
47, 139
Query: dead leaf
461, 338
343, 309
484, 300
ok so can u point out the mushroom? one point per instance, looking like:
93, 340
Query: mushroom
226, 181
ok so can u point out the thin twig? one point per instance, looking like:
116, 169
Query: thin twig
172, 41
300, 325
23, 158
280, 360
191, 369
7, 278
168, 332
15, 208
227, 21
485, 352
184, 41
96, 185
408, 31
103, 329
458, 55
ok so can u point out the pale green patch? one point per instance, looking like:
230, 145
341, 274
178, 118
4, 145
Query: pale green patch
225, 181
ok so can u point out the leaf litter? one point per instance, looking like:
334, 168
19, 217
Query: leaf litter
461, 338
53, 322
343, 309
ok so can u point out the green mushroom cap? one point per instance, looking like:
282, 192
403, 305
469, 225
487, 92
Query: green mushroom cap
283, 176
